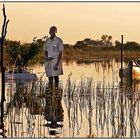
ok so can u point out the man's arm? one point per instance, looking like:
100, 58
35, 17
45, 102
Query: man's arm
59, 58
60, 48
46, 55
58, 61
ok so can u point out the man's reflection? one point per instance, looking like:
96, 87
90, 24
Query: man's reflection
53, 109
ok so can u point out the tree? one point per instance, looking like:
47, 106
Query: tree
38, 51
131, 45
13, 50
22, 53
79, 44
109, 38
117, 44
106, 40
3, 35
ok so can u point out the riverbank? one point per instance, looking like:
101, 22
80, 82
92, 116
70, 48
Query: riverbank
88, 54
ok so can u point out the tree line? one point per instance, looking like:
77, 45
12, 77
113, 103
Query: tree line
106, 41
25, 54
31, 53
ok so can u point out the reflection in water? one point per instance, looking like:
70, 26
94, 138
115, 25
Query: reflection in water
116, 112
2, 124
24, 109
90, 107
27, 107
4, 131
78, 100
53, 109
121, 112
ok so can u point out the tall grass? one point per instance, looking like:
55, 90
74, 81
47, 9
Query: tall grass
116, 113
85, 54
107, 110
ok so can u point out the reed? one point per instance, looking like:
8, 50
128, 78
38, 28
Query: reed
90, 54
115, 113
108, 110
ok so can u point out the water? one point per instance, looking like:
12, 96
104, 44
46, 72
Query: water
89, 103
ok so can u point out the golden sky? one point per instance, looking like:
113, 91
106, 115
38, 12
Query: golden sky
74, 20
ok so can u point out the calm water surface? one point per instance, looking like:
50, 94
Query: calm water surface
88, 103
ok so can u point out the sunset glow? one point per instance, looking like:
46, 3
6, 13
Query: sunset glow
75, 20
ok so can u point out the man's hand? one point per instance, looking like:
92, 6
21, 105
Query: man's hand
55, 67
48, 59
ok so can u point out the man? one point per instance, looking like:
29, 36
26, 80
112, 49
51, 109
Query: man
53, 53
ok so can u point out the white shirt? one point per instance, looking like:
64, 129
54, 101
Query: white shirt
53, 46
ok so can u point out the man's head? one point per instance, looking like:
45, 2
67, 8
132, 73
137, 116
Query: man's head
53, 31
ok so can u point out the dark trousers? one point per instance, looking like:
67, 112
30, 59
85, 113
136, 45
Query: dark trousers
56, 78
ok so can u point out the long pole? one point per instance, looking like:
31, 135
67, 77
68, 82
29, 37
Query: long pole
121, 129
121, 58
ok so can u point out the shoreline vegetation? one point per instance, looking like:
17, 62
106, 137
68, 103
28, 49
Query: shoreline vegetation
98, 54
87, 50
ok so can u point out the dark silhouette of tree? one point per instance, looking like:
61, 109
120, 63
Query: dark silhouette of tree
106, 40
117, 44
39, 57
79, 44
109, 43
2, 39
131, 45
128, 45
22, 53
29, 51
13, 50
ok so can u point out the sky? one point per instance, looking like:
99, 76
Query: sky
75, 20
